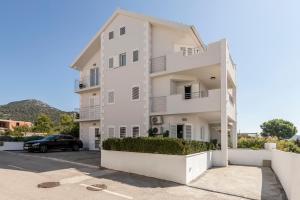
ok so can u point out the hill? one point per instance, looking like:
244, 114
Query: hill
28, 110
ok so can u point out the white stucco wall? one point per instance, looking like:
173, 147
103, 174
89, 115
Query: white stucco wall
12, 146
176, 168
95, 59
125, 112
248, 157
286, 166
164, 40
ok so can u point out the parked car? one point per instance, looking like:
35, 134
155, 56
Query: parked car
53, 142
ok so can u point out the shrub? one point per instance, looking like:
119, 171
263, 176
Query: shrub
157, 145
19, 139
258, 143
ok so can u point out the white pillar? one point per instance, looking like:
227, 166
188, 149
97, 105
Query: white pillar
234, 135
224, 101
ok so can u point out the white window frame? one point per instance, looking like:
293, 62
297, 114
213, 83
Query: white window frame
114, 127
108, 91
123, 126
132, 93
133, 126
138, 57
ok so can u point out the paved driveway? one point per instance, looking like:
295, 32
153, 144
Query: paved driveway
20, 173
242, 181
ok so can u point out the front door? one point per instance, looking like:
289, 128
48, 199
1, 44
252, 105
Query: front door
94, 138
187, 92
180, 131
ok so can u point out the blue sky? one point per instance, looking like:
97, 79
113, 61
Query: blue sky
39, 39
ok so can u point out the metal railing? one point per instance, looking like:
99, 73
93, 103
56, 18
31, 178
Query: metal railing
159, 104
191, 51
88, 113
193, 95
158, 64
86, 82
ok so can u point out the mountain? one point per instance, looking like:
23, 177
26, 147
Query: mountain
28, 110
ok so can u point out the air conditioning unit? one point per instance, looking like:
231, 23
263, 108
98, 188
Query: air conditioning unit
156, 120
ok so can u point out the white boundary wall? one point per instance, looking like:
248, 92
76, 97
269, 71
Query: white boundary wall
177, 168
248, 157
287, 168
11, 146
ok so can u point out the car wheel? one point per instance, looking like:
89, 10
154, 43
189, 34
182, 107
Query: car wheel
75, 147
43, 149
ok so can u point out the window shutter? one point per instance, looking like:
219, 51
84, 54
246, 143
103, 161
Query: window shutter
122, 132
135, 56
135, 131
202, 133
135, 93
188, 131
173, 131
111, 132
111, 97
111, 63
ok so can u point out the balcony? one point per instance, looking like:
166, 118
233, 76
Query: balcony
185, 60
187, 103
87, 83
87, 113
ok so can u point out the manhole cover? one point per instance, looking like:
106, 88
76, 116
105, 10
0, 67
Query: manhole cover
48, 184
96, 187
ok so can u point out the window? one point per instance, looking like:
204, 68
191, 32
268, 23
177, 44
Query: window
111, 35
17, 124
202, 133
135, 55
111, 97
188, 132
122, 30
122, 131
135, 93
111, 63
94, 77
135, 131
122, 59
111, 132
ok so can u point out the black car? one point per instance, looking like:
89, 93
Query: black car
53, 142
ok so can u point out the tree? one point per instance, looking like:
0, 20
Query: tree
68, 126
278, 127
43, 124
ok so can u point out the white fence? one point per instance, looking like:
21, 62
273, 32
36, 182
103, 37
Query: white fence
248, 157
11, 146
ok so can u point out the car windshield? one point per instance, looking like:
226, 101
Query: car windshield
50, 138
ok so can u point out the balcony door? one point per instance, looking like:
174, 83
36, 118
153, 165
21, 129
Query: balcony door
94, 77
187, 92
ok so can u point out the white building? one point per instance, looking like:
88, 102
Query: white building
139, 72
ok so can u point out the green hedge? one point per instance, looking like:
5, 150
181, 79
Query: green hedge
258, 143
20, 139
157, 145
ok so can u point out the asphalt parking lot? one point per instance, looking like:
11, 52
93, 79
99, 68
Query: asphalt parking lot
20, 174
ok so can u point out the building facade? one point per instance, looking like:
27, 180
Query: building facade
140, 73
9, 125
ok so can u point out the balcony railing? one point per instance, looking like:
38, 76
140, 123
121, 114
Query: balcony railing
87, 113
194, 95
86, 83
158, 64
